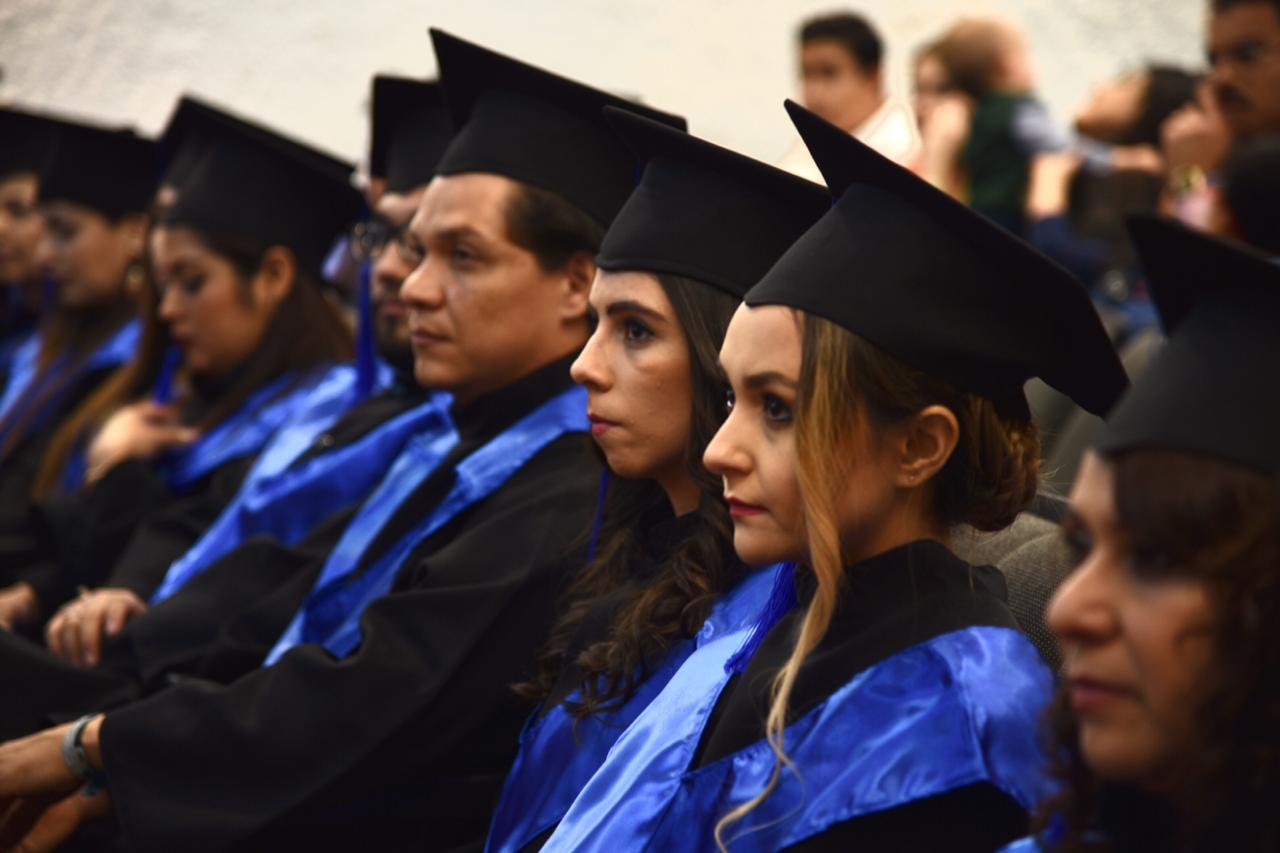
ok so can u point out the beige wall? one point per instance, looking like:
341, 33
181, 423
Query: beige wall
304, 65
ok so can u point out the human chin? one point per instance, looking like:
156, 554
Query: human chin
758, 545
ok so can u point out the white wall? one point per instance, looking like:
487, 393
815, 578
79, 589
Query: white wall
304, 65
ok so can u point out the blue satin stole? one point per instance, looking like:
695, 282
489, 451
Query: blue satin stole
959, 709
23, 383
557, 758
284, 498
331, 614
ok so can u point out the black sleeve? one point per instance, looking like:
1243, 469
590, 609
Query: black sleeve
974, 819
405, 741
170, 531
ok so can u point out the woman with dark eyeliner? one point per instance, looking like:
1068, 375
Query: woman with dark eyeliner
701, 227
238, 335
1164, 727
876, 402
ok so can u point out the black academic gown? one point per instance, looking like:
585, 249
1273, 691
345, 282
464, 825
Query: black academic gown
403, 744
892, 602
171, 637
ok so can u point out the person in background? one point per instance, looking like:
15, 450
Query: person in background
1164, 726
94, 193
1239, 100
25, 142
1079, 197
841, 79
990, 66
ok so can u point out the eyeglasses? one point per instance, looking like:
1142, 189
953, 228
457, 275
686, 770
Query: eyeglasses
1245, 54
371, 237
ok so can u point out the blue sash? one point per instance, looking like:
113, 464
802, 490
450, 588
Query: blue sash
284, 500
23, 382
331, 613
557, 757
241, 433
958, 709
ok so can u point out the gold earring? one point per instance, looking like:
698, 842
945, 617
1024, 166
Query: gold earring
134, 277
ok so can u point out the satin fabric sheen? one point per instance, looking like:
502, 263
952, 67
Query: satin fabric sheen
331, 614
284, 500
959, 709
557, 757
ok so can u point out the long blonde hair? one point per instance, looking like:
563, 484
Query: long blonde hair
848, 384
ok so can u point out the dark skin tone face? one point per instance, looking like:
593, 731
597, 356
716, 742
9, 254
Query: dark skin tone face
1243, 51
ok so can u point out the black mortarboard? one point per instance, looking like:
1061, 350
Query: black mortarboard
521, 122
26, 142
410, 131
250, 182
1212, 387
937, 286
703, 211
111, 171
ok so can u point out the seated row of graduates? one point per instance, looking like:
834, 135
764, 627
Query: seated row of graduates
797, 393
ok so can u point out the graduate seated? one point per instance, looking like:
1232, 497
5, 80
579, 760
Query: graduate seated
236, 333
331, 452
876, 403
24, 150
95, 188
1164, 728
384, 717
701, 227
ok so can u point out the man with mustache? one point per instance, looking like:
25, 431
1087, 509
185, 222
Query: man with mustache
1240, 100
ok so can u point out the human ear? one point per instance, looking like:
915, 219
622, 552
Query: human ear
276, 275
924, 443
132, 229
579, 273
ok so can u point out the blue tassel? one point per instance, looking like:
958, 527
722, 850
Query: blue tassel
366, 346
163, 393
781, 599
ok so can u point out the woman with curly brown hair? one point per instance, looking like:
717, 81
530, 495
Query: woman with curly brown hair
1164, 729
876, 401
702, 226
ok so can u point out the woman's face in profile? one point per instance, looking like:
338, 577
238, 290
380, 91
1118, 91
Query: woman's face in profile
1135, 639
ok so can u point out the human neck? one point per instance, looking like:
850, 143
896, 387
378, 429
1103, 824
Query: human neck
682, 493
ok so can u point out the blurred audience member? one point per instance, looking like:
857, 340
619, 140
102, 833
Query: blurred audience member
1078, 199
1241, 100
841, 80
1008, 126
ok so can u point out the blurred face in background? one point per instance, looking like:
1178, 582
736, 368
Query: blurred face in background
1113, 108
391, 266
931, 84
835, 86
1244, 67
20, 229
87, 255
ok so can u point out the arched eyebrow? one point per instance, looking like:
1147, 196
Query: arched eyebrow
769, 377
630, 306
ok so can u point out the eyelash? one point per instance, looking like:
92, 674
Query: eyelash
636, 333
777, 413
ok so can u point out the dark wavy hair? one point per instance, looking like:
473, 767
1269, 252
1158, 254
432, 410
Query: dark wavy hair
677, 601
1220, 524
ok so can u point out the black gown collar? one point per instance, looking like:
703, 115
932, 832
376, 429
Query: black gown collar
494, 412
890, 602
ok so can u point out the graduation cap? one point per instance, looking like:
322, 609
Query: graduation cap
112, 171
1211, 390
938, 286
411, 129
26, 142
240, 179
532, 126
704, 212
